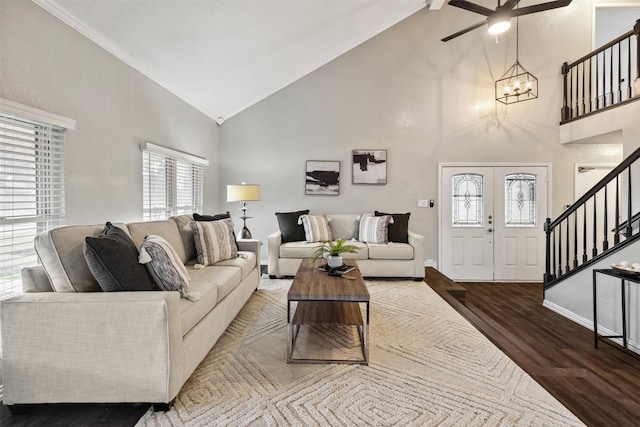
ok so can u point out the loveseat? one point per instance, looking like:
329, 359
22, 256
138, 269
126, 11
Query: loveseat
66, 340
400, 255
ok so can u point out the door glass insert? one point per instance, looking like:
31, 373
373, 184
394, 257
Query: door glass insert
520, 200
467, 200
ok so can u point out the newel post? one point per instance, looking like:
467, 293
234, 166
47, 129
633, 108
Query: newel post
547, 270
566, 112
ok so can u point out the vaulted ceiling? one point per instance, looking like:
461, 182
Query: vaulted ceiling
223, 56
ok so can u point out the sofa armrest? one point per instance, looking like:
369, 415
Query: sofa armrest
35, 279
250, 245
273, 243
419, 252
91, 347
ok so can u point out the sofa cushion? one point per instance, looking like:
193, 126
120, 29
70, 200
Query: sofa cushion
399, 228
214, 241
113, 260
167, 228
298, 249
184, 228
390, 251
316, 228
362, 253
164, 265
191, 312
245, 261
61, 252
224, 277
290, 229
344, 226
374, 229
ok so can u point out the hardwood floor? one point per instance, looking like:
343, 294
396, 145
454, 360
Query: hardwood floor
600, 385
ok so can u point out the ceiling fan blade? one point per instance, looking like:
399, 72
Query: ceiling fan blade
540, 7
467, 5
466, 30
509, 4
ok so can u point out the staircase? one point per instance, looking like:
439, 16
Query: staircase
596, 225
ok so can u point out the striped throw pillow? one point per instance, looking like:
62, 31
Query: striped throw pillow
164, 265
316, 228
214, 241
374, 229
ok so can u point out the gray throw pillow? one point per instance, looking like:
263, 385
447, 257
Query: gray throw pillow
164, 265
216, 217
112, 258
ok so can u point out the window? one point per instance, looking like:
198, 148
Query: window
520, 200
31, 189
467, 200
172, 182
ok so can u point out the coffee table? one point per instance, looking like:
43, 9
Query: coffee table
322, 299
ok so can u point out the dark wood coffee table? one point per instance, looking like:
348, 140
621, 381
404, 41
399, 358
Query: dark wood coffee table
322, 299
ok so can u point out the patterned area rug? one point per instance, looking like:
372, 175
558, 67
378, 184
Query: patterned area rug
428, 366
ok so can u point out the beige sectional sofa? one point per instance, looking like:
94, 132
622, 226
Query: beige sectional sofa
374, 259
79, 344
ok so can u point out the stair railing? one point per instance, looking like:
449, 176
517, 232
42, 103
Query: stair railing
595, 224
605, 78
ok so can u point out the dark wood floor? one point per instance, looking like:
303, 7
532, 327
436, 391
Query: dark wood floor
600, 385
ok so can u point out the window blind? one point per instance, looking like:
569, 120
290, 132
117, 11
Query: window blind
171, 185
32, 197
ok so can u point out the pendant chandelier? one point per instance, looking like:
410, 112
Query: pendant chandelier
516, 84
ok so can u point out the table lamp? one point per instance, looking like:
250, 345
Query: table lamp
243, 193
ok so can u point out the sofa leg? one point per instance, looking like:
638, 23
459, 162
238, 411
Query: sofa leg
162, 407
418, 279
272, 276
18, 409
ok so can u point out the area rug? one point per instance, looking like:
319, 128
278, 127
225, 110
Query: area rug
428, 366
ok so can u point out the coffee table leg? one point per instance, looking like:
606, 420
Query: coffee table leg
289, 333
366, 345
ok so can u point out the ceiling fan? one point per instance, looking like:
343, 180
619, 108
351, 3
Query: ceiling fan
499, 18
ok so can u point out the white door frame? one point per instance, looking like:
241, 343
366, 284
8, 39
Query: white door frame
442, 165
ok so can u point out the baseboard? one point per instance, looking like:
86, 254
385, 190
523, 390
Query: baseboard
431, 263
633, 346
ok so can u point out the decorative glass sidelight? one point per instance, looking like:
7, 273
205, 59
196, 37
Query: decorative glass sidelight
520, 200
467, 200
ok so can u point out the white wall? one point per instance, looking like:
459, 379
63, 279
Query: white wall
573, 298
47, 65
426, 102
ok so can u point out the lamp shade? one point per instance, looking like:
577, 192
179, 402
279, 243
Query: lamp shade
243, 193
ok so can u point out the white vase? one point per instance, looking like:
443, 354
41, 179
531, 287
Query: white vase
334, 261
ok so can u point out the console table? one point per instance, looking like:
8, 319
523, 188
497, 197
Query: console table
623, 279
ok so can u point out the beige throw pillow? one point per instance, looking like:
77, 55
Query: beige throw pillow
374, 229
214, 241
316, 228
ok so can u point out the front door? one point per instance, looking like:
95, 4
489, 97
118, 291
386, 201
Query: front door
492, 222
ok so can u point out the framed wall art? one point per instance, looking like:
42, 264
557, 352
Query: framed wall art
369, 167
322, 178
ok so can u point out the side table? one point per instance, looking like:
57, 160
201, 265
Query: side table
623, 279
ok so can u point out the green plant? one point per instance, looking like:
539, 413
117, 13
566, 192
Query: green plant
336, 248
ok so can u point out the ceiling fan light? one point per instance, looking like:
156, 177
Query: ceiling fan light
499, 26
